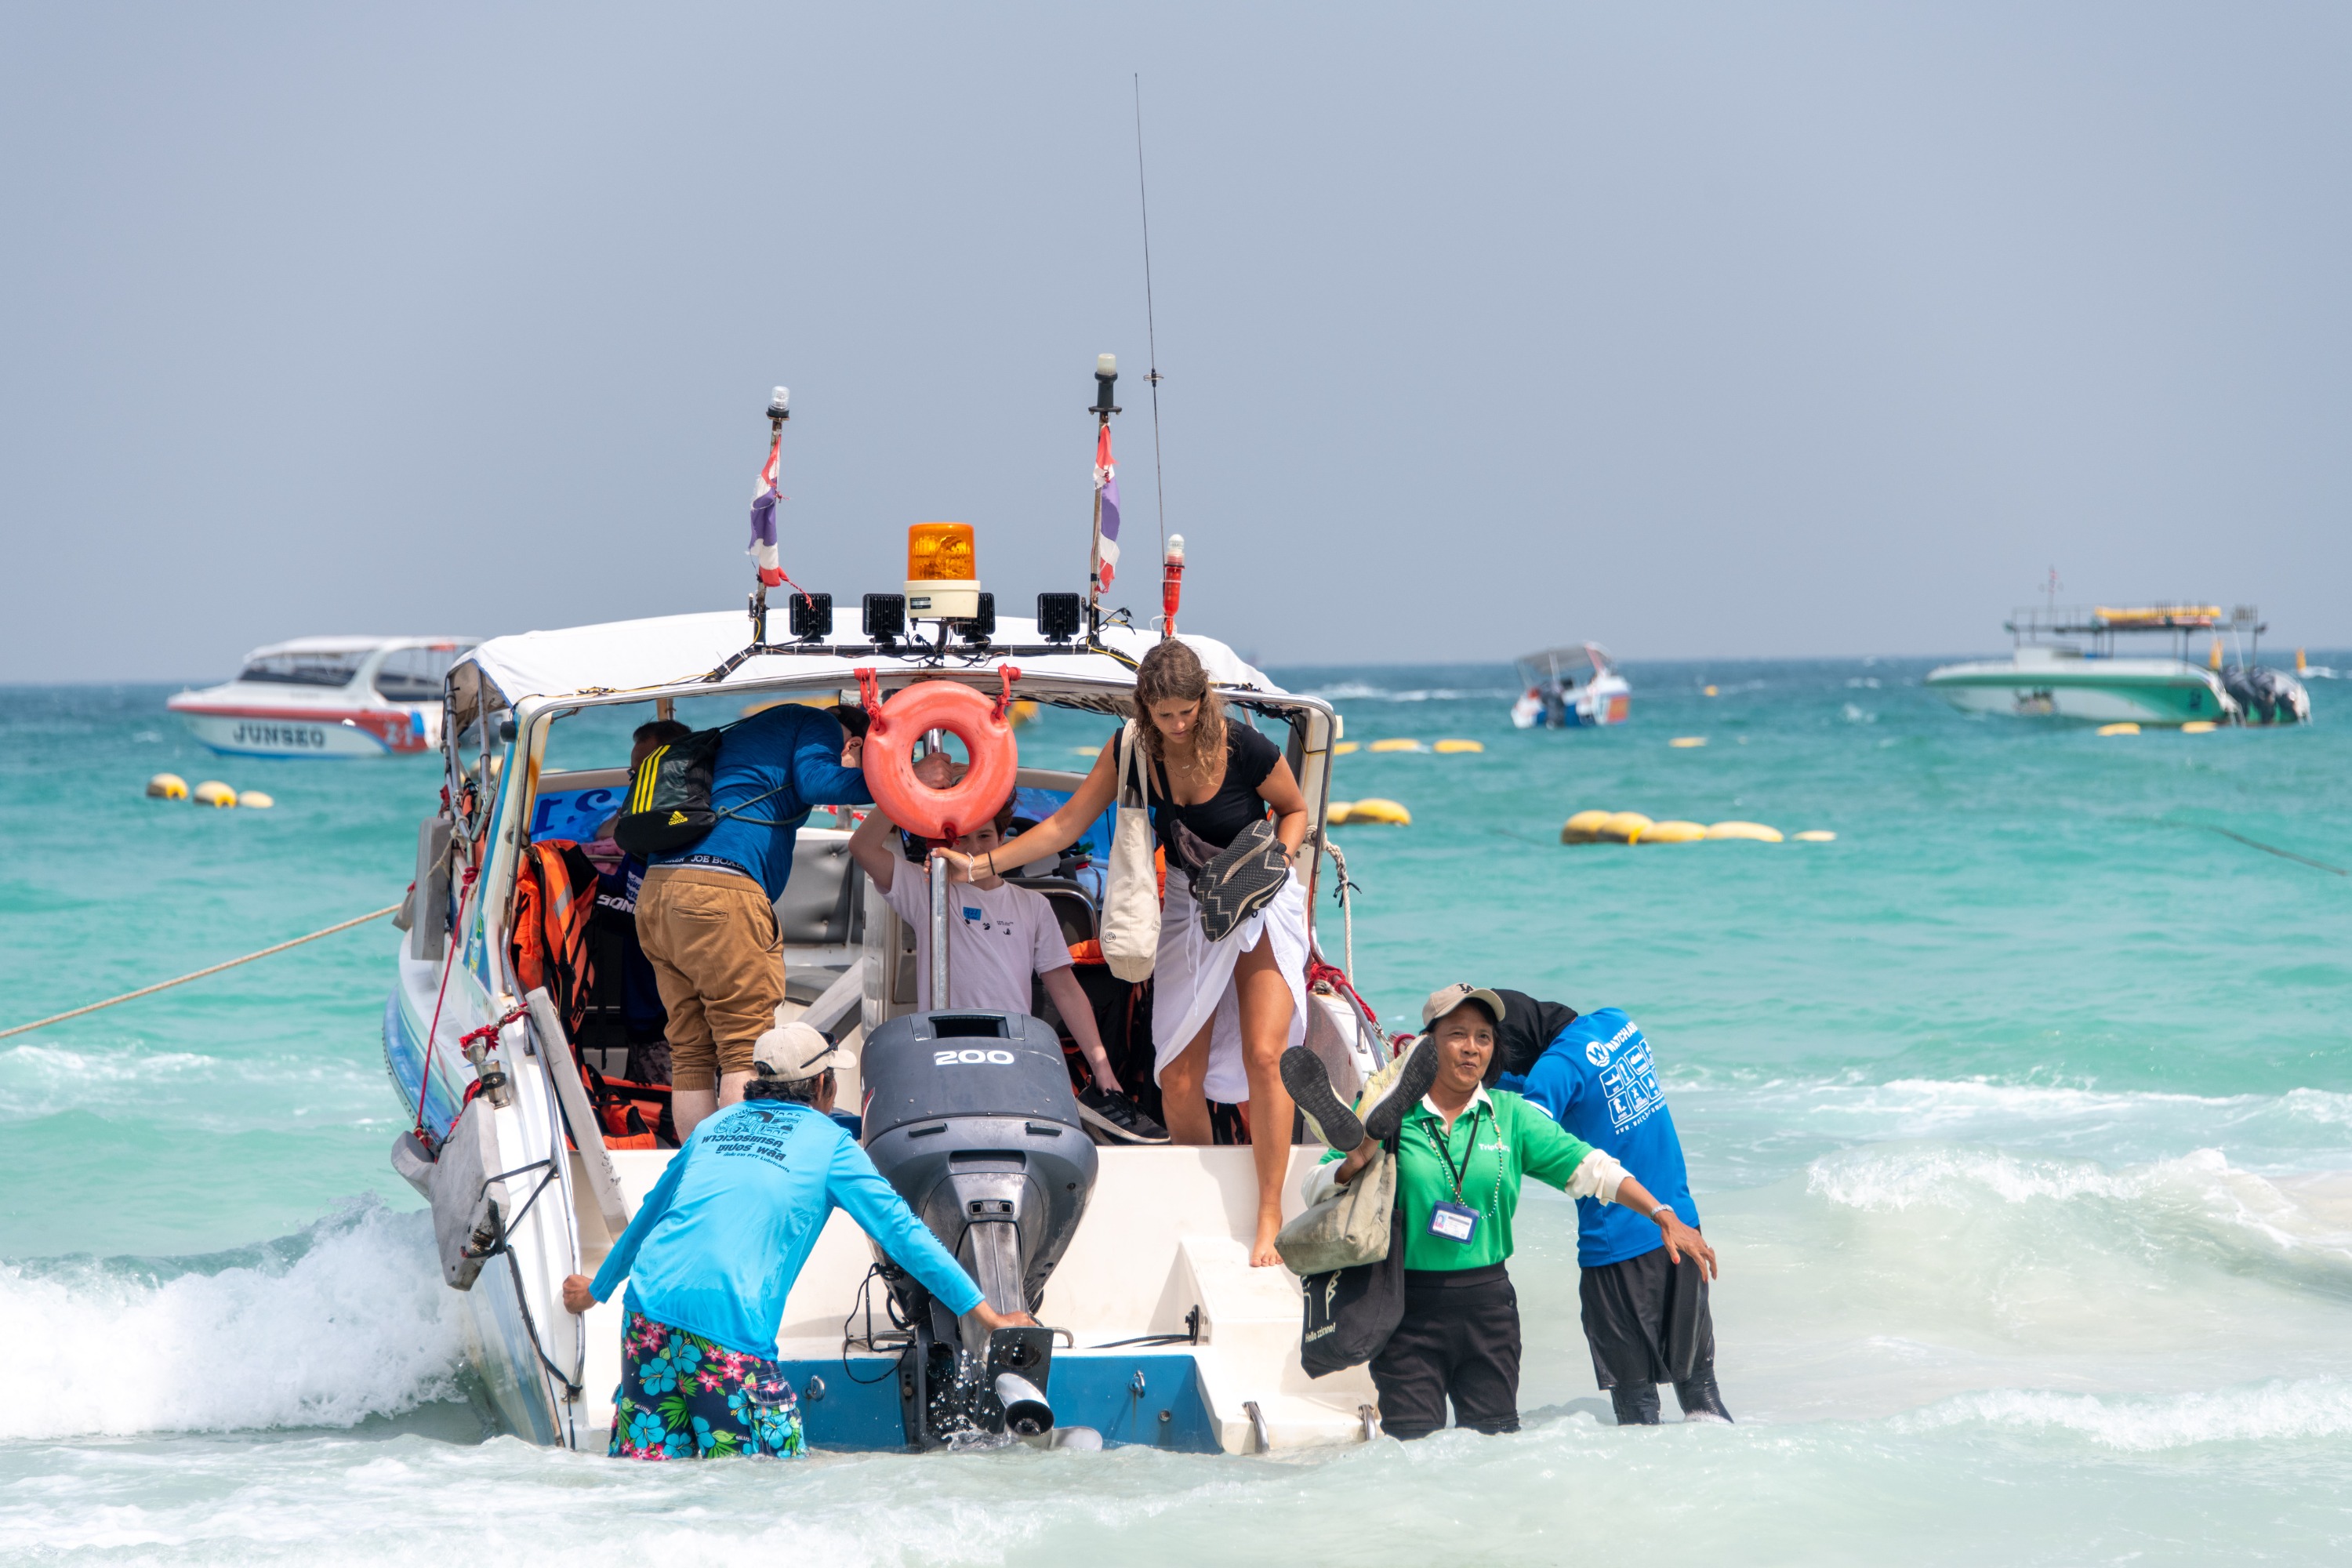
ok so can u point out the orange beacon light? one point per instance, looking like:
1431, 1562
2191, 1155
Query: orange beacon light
942, 571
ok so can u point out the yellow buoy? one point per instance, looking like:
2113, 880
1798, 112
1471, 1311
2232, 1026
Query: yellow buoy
255, 800
167, 787
1377, 810
1674, 833
1023, 713
2214, 659
2118, 729
1583, 827
1335, 812
1344, 747
1086, 751
1396, 745
1816, 836
211, 792
2299, 665
1456, 748
1710, 691
1684, 742
1755, 830
2199, 727
1623, 827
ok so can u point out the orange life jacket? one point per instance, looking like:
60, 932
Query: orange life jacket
556, 895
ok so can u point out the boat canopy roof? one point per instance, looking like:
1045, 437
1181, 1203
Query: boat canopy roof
674, 655
356, 644
1551, 659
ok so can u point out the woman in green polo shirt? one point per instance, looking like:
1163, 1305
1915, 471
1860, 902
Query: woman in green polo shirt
1462, 1154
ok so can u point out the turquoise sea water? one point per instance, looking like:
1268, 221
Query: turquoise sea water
2022, 1114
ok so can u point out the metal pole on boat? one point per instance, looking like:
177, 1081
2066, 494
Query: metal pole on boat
1106, 378
939, 870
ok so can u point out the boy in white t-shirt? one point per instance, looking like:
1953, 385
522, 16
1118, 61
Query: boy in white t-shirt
999, 934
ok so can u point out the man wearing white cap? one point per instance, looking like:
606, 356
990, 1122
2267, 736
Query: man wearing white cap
716, 1247
1461, 1155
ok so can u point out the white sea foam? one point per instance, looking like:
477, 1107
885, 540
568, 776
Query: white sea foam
42, 1080
356, 1323
2313, 1407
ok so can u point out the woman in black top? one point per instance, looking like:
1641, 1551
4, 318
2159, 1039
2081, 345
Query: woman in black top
1223, 1012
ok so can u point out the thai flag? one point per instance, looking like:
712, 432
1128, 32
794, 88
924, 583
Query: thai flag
762, 550
1107, 496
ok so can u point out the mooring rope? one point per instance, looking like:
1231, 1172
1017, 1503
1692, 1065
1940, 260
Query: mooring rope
199, 975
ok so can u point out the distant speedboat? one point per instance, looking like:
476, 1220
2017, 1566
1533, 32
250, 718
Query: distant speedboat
2044, 676
328, 697
1552, 699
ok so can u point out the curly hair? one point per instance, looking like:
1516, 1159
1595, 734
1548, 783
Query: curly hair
1171, 672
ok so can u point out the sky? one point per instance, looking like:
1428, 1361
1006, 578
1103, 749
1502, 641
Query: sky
1701, 330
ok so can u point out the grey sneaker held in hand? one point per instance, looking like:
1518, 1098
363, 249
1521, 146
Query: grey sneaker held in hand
1119, 1116
1309, 1083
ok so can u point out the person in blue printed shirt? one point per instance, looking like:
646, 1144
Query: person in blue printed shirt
1645, 1316
714, 1251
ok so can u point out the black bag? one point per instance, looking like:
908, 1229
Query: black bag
669, 797
1351, 1312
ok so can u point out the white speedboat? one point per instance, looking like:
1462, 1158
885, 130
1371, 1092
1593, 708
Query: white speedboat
1174, 1340
1570, 688
327, 697
2048, 676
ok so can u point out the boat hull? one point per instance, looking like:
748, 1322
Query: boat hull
2102, 692
239, 731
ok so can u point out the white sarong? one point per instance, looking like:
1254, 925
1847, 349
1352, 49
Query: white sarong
1192, 981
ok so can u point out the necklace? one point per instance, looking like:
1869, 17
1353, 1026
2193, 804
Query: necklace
1443, 1143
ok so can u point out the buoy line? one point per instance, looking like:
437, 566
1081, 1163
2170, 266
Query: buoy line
199, 975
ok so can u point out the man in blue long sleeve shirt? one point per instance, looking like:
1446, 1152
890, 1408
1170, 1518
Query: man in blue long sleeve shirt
714, 1250
706, 914
1646, 1318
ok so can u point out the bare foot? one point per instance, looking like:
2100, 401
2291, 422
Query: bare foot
1263, 1255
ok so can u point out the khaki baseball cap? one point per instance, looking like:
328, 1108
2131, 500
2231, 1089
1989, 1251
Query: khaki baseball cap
1446, 998
790, 1052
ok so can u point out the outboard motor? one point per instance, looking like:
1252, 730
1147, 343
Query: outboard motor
970, 1116
2267, 695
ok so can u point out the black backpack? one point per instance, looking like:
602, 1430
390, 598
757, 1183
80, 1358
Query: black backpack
1351, 1312
669, 798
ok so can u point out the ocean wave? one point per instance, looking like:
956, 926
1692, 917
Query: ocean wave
2313, 1407
1356, 691
43, 1080
345, 1321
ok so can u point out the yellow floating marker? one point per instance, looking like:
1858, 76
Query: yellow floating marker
2118, 729
2199, 727
1583, 827
1086, 751
1674, 833
1396, 745
1378, 810
255, 800
211, 792
1709, 693
167, 787
1755, 830
1344, 747
1336, 812
1684, 742
1623, 827
1816, 836
1456, 748
1023, 713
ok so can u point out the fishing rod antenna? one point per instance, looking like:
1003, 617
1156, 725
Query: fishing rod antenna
1151, 328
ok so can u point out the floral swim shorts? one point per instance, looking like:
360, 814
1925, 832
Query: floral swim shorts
683, 1397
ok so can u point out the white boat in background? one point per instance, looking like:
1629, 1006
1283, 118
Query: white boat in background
328, 697
1554, 700
2045, 677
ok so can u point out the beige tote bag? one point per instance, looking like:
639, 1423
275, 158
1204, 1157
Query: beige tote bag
1349, 1228
1131, 920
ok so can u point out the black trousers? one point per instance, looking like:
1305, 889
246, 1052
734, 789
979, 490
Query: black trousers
1459, 1340
1647, 1322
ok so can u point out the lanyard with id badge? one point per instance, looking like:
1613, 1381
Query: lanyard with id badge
1457, 1220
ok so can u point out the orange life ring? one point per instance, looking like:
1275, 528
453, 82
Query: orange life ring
971, 800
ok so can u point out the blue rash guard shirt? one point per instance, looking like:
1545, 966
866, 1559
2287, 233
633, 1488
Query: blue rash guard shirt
792, 751
726, 1229
1597, 1080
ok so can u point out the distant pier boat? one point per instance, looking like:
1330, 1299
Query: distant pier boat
328, 697
2051, 674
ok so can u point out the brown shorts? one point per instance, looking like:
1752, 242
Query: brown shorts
719, 960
